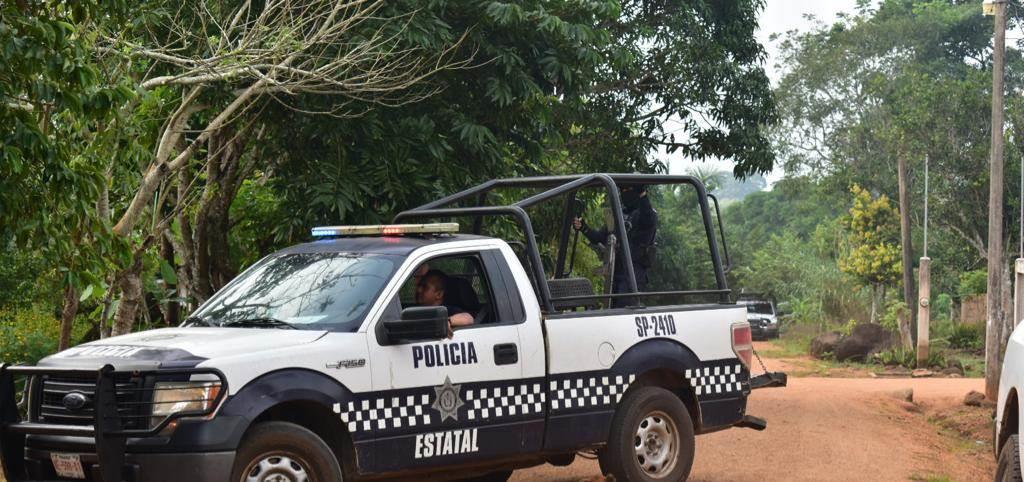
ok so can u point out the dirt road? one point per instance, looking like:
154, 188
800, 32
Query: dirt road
843, 429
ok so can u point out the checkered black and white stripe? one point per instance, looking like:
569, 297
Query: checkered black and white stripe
715, 380
386, 413
588, 391
507, 401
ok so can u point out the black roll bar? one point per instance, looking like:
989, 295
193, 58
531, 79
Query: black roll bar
721, 231
516, 212
559, 185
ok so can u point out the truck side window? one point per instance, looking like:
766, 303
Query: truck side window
466, 285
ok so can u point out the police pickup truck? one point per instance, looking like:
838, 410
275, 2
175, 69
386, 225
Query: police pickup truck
341, 359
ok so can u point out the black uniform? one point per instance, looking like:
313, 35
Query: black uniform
641, 226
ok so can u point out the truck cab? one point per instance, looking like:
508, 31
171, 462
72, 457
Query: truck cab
340, 359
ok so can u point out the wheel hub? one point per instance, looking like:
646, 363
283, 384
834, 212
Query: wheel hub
277, 468
657, 444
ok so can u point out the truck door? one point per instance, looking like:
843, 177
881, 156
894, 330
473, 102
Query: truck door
463, 399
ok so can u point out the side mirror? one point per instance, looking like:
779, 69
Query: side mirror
418, 323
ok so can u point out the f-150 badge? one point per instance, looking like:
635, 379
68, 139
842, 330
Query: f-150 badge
447, 400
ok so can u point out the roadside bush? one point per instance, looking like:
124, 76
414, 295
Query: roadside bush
27, 335
900, 356
967, 337
896, 357
894, 310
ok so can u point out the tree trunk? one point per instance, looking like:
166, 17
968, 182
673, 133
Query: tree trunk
67, 316
874, 303
130, 283
171, 309
908, 249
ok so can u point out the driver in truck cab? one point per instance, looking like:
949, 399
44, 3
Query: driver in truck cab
430, 290
641, 226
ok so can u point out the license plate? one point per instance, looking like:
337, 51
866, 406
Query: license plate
67, 465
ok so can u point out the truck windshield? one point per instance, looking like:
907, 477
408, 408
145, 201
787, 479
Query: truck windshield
760, 308
315, 291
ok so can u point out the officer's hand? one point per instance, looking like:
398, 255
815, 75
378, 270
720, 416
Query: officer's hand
577, 223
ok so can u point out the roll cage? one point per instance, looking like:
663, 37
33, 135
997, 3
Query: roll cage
568, 185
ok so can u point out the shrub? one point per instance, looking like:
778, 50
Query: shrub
27, 335
967, 337
894, 310
908, 358
973, 283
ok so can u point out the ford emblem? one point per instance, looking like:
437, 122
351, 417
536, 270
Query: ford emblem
74, 401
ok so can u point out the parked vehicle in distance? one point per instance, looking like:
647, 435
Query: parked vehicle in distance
323, 361
762, 314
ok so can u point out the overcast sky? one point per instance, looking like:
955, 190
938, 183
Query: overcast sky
778, 16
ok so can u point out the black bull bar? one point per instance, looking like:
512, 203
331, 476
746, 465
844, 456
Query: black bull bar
108, 429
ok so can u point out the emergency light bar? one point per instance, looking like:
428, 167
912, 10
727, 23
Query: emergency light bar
386, 229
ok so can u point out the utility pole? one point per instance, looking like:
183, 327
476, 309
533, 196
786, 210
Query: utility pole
908, 254
994, 300
924, 296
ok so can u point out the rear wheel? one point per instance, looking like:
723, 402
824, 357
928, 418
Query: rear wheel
1008, 466
284, 452
651, 438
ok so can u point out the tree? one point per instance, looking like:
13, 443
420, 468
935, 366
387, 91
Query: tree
873, 252
224, 59
58, 115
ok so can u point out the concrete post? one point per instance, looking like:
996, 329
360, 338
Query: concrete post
924, 311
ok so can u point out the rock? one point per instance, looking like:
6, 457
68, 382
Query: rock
953, 371
954, 363
974, 399
825, 343
922, 373
865, 339
907, 395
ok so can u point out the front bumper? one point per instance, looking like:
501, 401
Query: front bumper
103, 447
764, 331
193, 467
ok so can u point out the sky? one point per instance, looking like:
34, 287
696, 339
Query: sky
778, 16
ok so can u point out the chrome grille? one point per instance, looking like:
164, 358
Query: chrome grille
132, 401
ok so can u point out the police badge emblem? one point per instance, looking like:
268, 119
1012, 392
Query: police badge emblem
447, 400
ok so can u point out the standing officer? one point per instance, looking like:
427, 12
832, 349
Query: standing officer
641, 226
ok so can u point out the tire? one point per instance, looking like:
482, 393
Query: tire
282, 448
1008, 465
657, 420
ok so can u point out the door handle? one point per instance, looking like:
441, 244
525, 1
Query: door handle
506, 354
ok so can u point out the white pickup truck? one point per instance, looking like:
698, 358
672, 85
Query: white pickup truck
317, 364
1008, 411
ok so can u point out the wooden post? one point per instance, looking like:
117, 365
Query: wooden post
994, 321
924, 312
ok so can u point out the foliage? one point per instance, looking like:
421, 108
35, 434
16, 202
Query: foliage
28, 334
907, 358
894, 311
973, 283
874, 253
967, 337
942, 307
795, 271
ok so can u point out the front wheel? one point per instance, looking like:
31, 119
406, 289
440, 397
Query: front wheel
1008, 466
284, 452
651, 438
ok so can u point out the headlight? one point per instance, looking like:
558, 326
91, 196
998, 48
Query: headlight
171, 398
